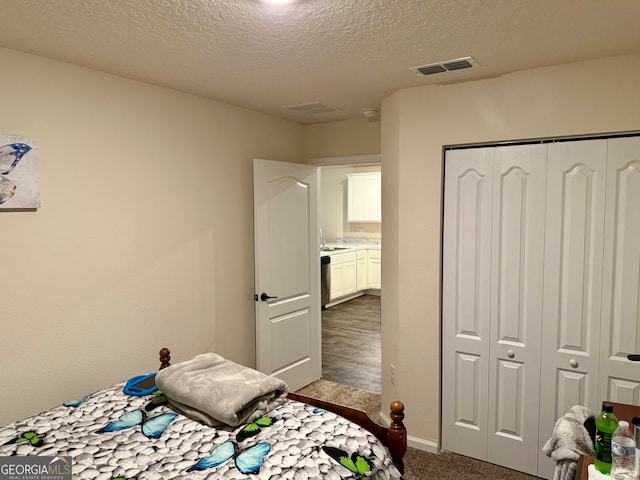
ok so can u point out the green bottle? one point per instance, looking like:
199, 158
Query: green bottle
606, 425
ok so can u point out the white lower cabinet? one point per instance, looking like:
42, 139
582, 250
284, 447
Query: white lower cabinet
361, 270
354, 272
343, 275
541, 292
374, 267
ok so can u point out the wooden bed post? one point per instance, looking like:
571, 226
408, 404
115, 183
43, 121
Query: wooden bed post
165, 358
397, 435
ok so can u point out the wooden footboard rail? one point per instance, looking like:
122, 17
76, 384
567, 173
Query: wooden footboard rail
394, 437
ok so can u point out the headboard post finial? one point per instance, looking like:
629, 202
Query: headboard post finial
165, 358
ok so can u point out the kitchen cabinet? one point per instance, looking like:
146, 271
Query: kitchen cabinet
374, 264
354, 272
343, 275
364, 197
361, 270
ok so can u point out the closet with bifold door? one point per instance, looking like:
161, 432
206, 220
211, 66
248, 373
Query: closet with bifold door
541, 291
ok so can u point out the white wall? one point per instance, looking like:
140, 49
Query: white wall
144, 238
576, 99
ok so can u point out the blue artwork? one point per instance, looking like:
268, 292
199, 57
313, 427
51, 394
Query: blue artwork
19, 186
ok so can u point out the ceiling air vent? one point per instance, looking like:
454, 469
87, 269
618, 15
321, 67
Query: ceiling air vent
446, 66
313, 108
431, 69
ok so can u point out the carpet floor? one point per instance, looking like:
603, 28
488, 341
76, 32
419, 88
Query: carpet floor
418, 463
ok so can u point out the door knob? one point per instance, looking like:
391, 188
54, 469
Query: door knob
574, 363
511, 353
264, 297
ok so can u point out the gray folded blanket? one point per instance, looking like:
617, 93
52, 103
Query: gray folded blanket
569, 440
216, 391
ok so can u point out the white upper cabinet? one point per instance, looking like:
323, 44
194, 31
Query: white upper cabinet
364, 197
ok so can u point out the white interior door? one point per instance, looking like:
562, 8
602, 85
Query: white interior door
516, 305
620, 335
287, 271
572, 282
540, 312
466, 300
492, 303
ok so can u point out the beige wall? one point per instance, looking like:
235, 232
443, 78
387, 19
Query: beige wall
577, 99
347, 138
356, 136
144, 238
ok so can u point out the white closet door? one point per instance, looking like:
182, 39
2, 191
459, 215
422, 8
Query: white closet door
516, 305
466, 300
620, 333
576, 181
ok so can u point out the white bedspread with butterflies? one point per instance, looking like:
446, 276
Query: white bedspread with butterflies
111, 435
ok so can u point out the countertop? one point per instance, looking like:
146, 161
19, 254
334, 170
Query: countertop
347, 248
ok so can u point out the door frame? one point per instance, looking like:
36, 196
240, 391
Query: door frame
346, 160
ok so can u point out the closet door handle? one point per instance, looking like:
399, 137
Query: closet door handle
511, 353
574, 363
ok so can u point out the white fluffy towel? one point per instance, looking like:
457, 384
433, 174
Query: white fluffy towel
569, 440
217, 391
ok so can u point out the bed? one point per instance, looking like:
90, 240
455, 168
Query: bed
131, 431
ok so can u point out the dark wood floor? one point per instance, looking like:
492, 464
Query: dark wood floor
351, 343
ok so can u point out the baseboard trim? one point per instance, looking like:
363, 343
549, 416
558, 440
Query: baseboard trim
415, 442
345, 299
422, 444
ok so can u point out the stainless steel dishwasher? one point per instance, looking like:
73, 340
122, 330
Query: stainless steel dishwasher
325, 280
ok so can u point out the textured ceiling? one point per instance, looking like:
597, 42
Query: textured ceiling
347, 53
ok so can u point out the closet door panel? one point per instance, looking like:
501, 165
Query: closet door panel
570, 385
516, 305
620, 333
576, 181
466, 301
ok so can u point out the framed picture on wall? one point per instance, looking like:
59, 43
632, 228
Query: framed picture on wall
19, 183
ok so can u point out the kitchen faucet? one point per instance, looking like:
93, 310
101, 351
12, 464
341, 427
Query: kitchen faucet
322, 243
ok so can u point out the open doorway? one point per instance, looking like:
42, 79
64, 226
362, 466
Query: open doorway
351, 341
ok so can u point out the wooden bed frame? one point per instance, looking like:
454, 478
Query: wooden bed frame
394, 437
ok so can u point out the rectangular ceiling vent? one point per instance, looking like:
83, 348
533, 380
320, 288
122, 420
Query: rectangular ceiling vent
313, 108
446, 66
